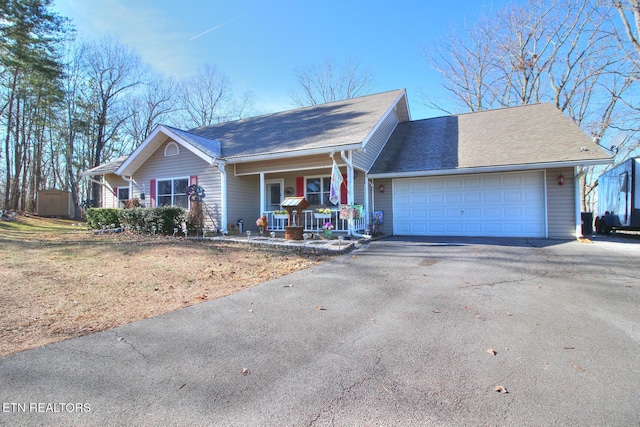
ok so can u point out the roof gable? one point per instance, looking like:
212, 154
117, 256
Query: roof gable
206, 149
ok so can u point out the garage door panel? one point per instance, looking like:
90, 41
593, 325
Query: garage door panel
436, 213
491, 197
436, 199
475, 197
472, 213
509, 204
491, 213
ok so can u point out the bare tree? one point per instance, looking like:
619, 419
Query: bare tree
154, 104
327, 82
114, 70
468, 65
205, 97
559, 51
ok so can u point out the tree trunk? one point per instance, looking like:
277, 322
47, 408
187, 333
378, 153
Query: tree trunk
7, 141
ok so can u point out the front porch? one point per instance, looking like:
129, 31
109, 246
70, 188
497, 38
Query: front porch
313, 223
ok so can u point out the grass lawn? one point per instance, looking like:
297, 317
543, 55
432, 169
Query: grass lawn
57, 282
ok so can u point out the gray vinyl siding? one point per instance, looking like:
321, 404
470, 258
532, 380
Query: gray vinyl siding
185, 164
384, 202
290, 180
109, 199
296, 163
561, 206
243, 199
365, 158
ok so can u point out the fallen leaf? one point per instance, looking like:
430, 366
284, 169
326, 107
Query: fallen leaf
319, 307
501, 389
492, 352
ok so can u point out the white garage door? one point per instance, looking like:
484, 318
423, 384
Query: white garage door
498, 204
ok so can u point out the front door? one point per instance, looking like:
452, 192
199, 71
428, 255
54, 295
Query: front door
274, 195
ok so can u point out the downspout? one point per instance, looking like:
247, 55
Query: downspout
576, 191
223, 193
350, 193
262, 195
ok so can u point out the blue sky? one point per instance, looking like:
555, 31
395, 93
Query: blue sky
258, 44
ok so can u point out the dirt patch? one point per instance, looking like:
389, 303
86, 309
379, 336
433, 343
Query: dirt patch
57, 286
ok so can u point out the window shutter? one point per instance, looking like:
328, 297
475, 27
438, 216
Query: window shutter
115, 197
193, 180
300, 186
152, 194
343, 189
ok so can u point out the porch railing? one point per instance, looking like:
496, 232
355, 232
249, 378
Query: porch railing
312, 224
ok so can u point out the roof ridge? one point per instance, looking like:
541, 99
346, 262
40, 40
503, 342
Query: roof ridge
292, 110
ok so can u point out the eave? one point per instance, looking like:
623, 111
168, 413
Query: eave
489, 169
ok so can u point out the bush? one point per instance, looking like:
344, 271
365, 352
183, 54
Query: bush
96, 217
169, 217
163, 218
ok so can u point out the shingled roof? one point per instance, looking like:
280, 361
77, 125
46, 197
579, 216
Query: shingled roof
333, 125
106, 168
523, 137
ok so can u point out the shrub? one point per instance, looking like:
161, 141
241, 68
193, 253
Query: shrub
102, 216
169, 217
164, 218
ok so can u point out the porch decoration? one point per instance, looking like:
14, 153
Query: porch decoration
322, 213
294, 231
328, 229
280, 214
378, 217
351, 212
195, 193
262, 224
336, 182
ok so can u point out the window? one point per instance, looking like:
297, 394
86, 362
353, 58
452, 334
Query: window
123, 196
173, 192
317, 190
171, 149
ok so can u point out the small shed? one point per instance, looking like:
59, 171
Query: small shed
54, 203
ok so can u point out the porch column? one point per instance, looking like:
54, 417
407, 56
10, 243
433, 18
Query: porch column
578, 202
223, 194
350, 186
263, 204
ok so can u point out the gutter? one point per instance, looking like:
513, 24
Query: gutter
290, 154
487, 169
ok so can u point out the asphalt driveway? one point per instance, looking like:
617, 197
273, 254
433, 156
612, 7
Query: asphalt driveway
400, 332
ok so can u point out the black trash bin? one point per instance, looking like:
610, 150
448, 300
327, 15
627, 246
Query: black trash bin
587, 223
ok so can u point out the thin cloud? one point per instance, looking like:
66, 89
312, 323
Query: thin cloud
209, 30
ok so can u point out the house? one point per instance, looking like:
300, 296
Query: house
506, 172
